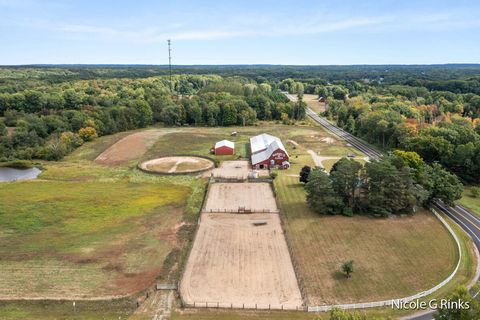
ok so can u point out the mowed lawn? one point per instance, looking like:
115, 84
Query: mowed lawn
86, 231
392, 257
469, 201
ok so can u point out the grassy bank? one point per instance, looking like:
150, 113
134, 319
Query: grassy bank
469, 201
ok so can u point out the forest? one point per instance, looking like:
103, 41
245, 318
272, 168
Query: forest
47, 111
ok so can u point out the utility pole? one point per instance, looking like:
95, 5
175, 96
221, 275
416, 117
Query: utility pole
170, 63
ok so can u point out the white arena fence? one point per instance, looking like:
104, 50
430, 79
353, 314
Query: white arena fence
419, 295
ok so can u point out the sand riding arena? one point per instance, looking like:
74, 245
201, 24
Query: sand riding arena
240, 258
177, 165
240, 261
240, 198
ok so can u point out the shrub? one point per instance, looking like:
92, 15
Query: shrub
347, 268
273, 175
71, 140
88, 133
475, 192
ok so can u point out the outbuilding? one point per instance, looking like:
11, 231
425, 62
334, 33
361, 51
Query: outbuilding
224, 147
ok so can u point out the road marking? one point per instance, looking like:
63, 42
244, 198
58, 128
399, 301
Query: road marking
465, 217
467, 212
457, 220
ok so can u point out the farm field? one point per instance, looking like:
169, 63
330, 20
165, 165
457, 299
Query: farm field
124, 240
470, 202
62, 240
393, 257
229, 197
236, 262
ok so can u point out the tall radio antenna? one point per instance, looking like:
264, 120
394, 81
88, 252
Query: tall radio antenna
170, 63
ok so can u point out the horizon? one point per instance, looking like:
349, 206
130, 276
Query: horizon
40, 65
305, 33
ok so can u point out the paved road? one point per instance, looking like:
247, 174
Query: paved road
464, 218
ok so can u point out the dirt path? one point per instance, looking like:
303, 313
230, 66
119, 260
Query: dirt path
293, 142
158, 305
318, 159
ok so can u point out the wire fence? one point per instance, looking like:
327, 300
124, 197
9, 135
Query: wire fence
237, 305
241, 210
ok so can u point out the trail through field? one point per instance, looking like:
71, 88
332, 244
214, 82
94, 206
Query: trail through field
158, 305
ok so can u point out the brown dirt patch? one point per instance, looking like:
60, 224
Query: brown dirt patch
129, 148
233, 170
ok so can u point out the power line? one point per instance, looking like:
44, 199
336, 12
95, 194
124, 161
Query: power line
170, 63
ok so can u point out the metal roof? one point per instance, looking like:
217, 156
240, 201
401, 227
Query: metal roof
225, 143
265, 145
261, 142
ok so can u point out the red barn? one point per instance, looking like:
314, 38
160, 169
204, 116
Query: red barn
224, 147
268, 152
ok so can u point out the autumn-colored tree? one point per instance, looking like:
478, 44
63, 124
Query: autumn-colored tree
88, 133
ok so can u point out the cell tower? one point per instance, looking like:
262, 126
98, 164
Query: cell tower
170, 63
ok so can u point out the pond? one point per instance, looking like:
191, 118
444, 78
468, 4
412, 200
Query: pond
11, 174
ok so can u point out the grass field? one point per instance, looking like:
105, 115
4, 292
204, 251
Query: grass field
328, 164
84, 310
392, 257
312, 102
87, 231
470, 201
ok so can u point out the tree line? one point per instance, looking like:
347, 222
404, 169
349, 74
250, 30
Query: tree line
441, 126
396, 184
49, 121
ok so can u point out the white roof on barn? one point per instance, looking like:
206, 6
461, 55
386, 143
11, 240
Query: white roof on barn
261, 142
268, 144
225, 143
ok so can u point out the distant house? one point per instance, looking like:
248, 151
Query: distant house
268, 151
224, 147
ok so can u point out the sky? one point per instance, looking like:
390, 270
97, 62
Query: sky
294, 32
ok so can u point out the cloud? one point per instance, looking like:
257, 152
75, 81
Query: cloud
266, 25
266, 28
